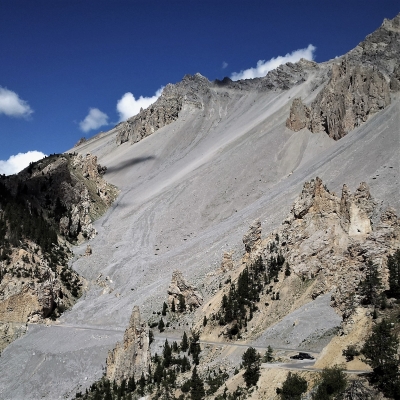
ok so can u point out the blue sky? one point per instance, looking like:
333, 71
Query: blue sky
60, 58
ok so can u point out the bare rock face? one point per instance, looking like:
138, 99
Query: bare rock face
180, 287
227, 262
165, 110
351, 96
31, 290
86, 195
380, 49
299, 116
132, 356
329, 239
252, 238
358, 88
395, 80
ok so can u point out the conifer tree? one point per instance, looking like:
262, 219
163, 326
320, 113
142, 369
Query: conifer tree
197, 391
184, 342
394, 274
161, 325
380, 351
251, 361
173, 309
371, 286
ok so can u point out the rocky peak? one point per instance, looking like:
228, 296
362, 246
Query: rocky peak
178, 287
351, 96
380, 49
165, 110
130, 358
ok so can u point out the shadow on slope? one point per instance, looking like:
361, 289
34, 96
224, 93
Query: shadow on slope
129, 163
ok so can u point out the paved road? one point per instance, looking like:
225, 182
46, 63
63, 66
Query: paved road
302, 365
305, 365
179, 338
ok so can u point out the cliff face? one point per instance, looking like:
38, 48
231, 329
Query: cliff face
359, 87
130, 358
42, 209
352, 95
380, 49
165, 110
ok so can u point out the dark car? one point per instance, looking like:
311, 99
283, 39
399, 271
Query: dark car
302, 356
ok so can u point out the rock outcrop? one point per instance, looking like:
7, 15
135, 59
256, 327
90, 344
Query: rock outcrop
380, 49
131, 358
330, 238
299, 117
165, 110
70, 189
352, 95
180, 287
252, 238
80, 141
32, 289
326, 240
227, 262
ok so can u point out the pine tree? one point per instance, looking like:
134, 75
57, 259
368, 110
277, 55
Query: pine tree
164, 309
182, 303
293, 387
173, 309
184, 342
251, 361
194, 347
142, 384
371, 286
161, 325
268, 357
167, 354
197, 391
394, 274
380, 350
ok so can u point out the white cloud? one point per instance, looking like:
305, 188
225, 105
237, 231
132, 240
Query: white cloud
224, 65
12, 106
94, 120
263, 67
128, 106
20, 161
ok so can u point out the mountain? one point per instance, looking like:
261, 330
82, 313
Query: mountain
195, 170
